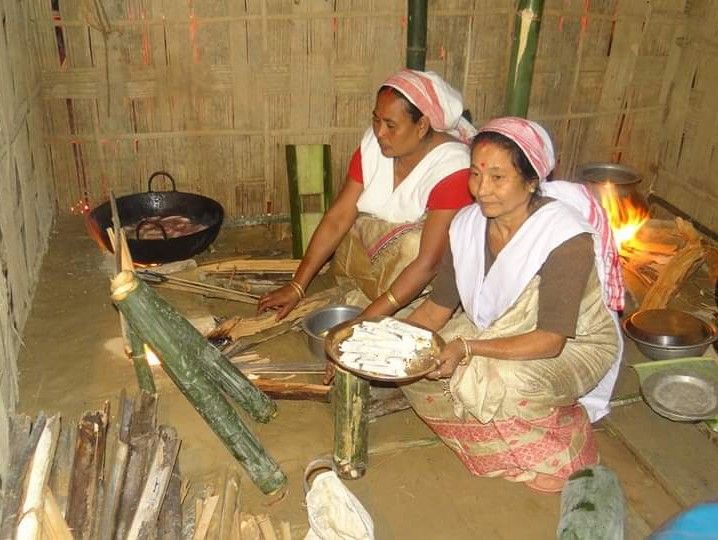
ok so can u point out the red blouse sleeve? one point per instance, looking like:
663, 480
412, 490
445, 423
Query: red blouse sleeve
355, 172
451, 193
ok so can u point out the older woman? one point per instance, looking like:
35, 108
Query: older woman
533, 357
408, 178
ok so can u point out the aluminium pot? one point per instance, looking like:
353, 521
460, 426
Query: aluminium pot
624, 180
136, 208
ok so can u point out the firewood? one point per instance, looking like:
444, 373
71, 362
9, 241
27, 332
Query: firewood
687, 231
169, 523
248, 527
285, 532
118, 468
265, 527
237, 327
242, 265
59, 481
386, 401
87, 473
711, 253
32, 507
230, 500
54, 526
672, 275
293, 391
200, 531
23, 441
141, 438
158, 478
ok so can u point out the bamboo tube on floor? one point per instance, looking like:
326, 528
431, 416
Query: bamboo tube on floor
179, 358
175, 340
351, 413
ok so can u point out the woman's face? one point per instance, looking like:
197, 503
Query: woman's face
397, 133
496, 184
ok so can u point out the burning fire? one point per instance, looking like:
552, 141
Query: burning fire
152, 358
626, 215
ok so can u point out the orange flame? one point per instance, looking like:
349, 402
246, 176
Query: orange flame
626, 215
152, 358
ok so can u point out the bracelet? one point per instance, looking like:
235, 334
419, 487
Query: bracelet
297, 288
392, 299
467, 352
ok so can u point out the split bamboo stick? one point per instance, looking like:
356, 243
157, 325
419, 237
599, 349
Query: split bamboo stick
32, 507
54, 526
158, 478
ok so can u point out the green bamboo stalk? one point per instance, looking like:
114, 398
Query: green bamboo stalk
171, 336
523, 54
351, 413
145, 380
149, 318
416, 35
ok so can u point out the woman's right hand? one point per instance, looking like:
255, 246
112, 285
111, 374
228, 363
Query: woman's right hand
281, 300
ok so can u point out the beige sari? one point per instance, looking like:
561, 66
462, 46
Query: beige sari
520, 419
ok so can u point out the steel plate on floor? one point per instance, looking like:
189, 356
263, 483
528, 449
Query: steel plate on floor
681, 396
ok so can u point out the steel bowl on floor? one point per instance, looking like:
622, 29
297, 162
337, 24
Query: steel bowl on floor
317, 324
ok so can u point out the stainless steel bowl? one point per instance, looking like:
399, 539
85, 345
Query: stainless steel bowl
317, 324
662, 334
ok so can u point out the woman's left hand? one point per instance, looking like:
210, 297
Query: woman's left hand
448, 360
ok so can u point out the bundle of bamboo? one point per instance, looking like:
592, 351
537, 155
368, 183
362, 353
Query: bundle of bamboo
201, 372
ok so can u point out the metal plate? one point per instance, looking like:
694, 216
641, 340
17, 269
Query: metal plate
419, 367
608, 172
681, 396
668, 327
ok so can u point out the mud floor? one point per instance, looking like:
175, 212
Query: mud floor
72, 361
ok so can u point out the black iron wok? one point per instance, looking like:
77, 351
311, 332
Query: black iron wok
136, 208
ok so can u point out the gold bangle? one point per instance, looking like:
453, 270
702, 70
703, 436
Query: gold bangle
467, 352
297, 288
392, 299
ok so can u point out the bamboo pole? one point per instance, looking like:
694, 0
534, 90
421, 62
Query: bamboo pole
351, 407
416, 35
183, 363
523, 54
177, 342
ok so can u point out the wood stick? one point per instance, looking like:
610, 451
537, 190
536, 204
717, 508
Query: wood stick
32, 508
23, 441
59, 481
238, 327
293, 391
111, 502
240, 265
265, 527
54, 526
285, 532
248, 527
87, 473
229, 505
158, 478
210, 503
672, 275
141, 439
169, 522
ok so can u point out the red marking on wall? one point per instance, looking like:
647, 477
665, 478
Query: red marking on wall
442, 53
335, 24
404, 22
193, 25
560, 23
584, 22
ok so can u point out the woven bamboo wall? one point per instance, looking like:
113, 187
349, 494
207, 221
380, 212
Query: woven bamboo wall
688, 156
212, 90
26, 198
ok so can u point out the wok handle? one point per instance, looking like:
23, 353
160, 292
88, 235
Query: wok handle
160, 173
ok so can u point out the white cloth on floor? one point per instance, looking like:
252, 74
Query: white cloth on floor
335, 513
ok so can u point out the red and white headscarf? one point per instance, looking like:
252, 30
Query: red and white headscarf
436, 99
536, 144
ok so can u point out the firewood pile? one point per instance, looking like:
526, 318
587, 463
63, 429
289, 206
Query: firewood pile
90, 479
661, 260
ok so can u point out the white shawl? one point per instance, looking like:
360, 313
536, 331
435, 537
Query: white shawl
406, 203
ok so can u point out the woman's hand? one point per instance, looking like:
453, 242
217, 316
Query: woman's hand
449, 358
282, 300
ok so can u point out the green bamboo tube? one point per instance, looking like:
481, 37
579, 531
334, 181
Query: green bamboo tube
145, 380
523, 54
171, 336
350, 396
151, 319
416, 35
